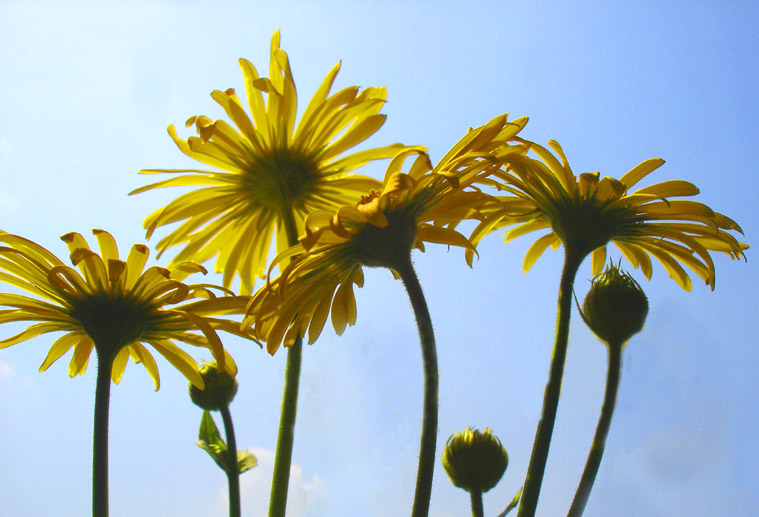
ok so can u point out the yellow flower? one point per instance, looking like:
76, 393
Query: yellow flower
268, 174
586, 213
422, 205
113, 306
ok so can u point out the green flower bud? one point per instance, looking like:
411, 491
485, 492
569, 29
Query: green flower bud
219, 391
616, 307
475, 460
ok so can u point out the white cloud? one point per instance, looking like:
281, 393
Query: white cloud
305, 497
6, 370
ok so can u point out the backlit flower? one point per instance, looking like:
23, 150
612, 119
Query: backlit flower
267, 174
586, 212
114, 306
418, 206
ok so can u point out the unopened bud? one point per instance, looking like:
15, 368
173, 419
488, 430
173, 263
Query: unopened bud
219, 391
616, 307
475, 460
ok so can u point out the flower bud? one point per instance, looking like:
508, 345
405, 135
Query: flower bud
475, 460
616, 307
220, 388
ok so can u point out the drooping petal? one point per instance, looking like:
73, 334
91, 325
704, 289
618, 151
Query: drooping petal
181, 360
537, 249
61, 345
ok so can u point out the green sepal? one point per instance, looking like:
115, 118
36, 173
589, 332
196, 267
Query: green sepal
512, 504
210, 441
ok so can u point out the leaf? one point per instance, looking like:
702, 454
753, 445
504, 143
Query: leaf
211, 441
208, 432
246, 461
512, 504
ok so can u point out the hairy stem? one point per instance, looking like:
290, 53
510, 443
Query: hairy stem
100, 437
429, 423
602, 431
539, 457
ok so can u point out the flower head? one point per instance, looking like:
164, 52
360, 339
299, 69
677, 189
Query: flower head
615, 307
475, 460
114, 306
414, 207
587, 212
268, 174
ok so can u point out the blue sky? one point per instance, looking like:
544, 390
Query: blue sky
86, 93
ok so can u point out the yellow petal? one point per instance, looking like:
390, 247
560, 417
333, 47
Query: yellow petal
181, 360
640, 171
30, 332
599, 260
119, 364
670, 188
78, 363
108, 249
537, 249
440, 235
320, 316
62, 345
343, 308
217, 349
148, 362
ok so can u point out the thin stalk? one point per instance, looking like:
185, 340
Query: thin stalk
286, 437
233, 473
602, 431
476, 497
100, 437
536, 470
423, 493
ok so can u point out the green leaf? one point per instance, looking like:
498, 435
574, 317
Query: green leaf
208, 432
245, 461
211, 441
512, 504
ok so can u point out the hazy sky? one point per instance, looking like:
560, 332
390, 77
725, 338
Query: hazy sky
86, 93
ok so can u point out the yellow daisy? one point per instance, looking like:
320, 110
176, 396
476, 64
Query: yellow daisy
414, 207
585, 213
421, 205
114, 306
268, 174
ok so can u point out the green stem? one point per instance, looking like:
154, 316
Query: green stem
284, 453
534, 479
426, 468
100, 437
476, 497
233, 473
602, 431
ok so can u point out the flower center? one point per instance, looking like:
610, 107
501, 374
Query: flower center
388, 246
586, 224
281, 180
112, 322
